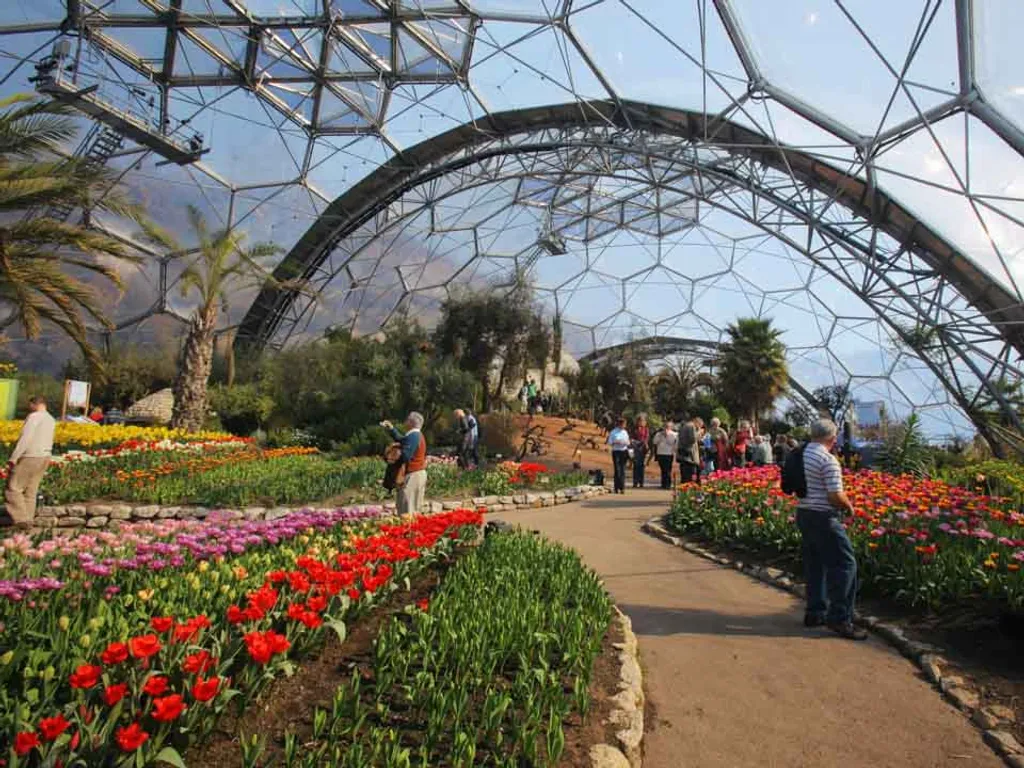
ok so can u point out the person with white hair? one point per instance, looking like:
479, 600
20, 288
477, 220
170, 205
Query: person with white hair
469, 438
413, 488
829, 562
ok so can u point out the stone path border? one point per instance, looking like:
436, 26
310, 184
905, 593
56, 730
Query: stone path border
629, 702
103, 515
991, 720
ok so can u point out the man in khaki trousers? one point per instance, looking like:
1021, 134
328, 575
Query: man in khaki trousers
28, 464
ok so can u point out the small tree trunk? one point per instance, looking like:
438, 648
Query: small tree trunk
229, 355
194, 372
485, 390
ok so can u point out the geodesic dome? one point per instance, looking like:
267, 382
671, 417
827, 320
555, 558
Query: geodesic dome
658, 169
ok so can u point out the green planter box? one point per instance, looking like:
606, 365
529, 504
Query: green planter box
8, 398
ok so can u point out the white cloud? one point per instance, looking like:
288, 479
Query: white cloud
619, 56
811, 18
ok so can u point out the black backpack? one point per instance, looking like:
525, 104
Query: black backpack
794, 481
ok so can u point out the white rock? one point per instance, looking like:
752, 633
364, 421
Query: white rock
606, 756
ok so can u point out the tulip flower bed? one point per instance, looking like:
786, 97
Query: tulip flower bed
918, 542
232, 473
71, 436
484, 673
127, 666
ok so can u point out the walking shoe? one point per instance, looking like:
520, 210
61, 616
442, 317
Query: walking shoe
813, 620
848, 630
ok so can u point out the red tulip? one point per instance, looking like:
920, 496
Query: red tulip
204, 690
25, 742
52, 727
155, 685
168, 708
114, 693
129, 738
115, 653
86, 676
144, 646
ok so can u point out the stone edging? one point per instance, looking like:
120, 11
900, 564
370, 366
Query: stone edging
993, 721
103, 515
628, 713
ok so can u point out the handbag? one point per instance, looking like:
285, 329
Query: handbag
395, 474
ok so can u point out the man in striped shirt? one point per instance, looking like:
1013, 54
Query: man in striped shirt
829, 562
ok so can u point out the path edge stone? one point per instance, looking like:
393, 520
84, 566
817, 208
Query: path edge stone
111, 515
629, 703
926, 658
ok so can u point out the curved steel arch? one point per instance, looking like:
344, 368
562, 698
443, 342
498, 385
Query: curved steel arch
844, 224
657, 347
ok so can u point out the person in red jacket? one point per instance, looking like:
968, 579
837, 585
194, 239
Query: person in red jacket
414, 454
740, 440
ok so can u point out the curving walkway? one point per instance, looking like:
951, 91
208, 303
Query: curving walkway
735, 679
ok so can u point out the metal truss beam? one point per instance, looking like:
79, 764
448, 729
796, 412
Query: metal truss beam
877, 249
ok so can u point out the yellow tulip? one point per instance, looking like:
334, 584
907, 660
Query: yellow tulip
145, 595
204, 566
85, 641
7, 658
64, 622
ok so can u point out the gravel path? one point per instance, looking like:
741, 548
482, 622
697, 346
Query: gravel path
735, 679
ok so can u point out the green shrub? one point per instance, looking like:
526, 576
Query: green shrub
905, 451
242, 408
499, 434
368, 441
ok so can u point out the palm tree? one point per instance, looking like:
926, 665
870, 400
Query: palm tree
45, 264
752, 367
221, 266
674, 385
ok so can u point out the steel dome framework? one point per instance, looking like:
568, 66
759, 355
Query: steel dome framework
851, 170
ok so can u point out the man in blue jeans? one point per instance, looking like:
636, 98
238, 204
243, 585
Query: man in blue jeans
829, 563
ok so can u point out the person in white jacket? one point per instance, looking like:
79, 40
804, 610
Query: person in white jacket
28, 463
665, 441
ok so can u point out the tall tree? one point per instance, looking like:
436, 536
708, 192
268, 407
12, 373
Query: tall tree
222, 265
752, 369
478, 329
538, 346
45, 264
834, 398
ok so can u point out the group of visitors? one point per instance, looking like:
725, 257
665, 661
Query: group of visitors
698, 450
95, 417
532, 399
829, 561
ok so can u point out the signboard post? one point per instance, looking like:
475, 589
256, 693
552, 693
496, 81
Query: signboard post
76, 395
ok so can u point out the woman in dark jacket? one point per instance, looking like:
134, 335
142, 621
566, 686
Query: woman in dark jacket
641, 436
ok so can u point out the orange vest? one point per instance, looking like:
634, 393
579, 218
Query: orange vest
419, 458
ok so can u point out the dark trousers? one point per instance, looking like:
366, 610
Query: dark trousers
665, 462
689, 473
619, 461
469, 456
639, 458
830, 566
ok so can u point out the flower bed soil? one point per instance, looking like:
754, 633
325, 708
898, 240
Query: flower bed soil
288, 706
582, 734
